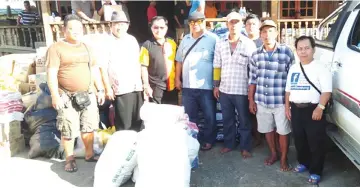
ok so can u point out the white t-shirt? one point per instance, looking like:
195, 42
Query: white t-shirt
123, 64
301, 90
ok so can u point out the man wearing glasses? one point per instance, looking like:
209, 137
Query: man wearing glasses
194, 75
157, 58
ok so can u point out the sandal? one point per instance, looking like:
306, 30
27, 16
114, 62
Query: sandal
73, 166
314, 179
206, 147
93, 158
300, 168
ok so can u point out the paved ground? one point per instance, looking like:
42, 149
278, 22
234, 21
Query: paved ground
215, 170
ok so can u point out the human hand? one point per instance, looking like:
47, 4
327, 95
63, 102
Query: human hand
317, 114
178, 84
252, 107
288, 112
216, 93
57, 102
100, 97
110, 94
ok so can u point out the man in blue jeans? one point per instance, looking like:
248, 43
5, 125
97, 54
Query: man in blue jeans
196, 69
231, 61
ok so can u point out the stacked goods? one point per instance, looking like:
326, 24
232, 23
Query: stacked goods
219, 123
11, 139
14, 71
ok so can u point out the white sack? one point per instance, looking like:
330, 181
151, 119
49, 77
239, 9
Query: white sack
163, 157
135, 175
117, 161
161, 113
193, 150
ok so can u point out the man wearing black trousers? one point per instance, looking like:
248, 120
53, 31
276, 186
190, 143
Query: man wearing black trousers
122, 74
308, 90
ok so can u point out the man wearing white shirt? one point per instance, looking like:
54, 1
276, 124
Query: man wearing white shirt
308, 90
122, 74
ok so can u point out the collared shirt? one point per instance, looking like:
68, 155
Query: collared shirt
234, 68
301, 91
123, 64
197, 72
29, 18
269, 74
160, 62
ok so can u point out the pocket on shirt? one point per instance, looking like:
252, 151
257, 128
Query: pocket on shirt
242, 59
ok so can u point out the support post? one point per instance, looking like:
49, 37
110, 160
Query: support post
45, 14
274, 10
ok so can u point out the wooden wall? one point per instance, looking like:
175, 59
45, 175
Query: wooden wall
325, 8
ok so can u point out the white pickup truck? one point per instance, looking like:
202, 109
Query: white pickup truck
340, 51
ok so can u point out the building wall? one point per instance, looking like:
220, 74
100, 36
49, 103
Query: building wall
326, 7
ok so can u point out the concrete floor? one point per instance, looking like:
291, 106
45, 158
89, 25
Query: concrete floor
215, 170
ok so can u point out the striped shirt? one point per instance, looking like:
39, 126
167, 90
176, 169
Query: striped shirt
28, 18
269, 74
233, 69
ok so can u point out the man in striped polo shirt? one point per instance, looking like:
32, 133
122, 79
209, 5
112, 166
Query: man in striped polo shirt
27, 18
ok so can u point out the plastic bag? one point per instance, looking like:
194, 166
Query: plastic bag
118, 160
135, 175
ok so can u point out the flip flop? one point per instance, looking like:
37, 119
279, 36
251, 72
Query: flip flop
314, 179
92, 159
300, 168
206, 147
73, 167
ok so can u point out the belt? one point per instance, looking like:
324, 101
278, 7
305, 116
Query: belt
302, 105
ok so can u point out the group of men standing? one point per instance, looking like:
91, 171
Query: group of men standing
246, 73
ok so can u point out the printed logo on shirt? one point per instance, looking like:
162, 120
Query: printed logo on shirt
299, 83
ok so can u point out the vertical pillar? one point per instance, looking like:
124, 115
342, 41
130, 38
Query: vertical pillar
45, 14
264, 9
274, 10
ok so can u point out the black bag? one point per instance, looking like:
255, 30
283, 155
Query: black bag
81, 100
329, 103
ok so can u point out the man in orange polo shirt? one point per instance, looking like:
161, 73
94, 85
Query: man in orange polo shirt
210, 11
157, 58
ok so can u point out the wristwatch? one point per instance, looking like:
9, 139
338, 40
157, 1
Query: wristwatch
322, 107
100, 91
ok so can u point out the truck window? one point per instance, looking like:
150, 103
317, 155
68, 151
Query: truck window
354, 38
327, 24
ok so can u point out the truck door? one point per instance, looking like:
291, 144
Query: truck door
346, 77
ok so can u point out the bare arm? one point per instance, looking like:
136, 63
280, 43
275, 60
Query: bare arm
324, 98
96, 75
53, 81
105, 79
82, 15
251, 93
145, 75
18, 20
287, 99
177, 21
178, 71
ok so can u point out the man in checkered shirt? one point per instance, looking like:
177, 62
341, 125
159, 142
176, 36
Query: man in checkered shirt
268, 72
231, 60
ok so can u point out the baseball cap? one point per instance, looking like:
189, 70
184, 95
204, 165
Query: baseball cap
233, 16
196, 16
119, 16
268, 23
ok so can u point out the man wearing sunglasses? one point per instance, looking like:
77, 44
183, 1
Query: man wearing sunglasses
157, 56
194, 64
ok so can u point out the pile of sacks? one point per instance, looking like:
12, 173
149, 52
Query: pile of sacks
160, 155
10, 107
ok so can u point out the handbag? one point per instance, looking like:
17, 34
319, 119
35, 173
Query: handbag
81, 99
330, 103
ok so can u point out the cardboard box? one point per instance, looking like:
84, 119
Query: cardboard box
40, 78
33, 87
10, 131
41, 56
32, 78
11, 148
40, 70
